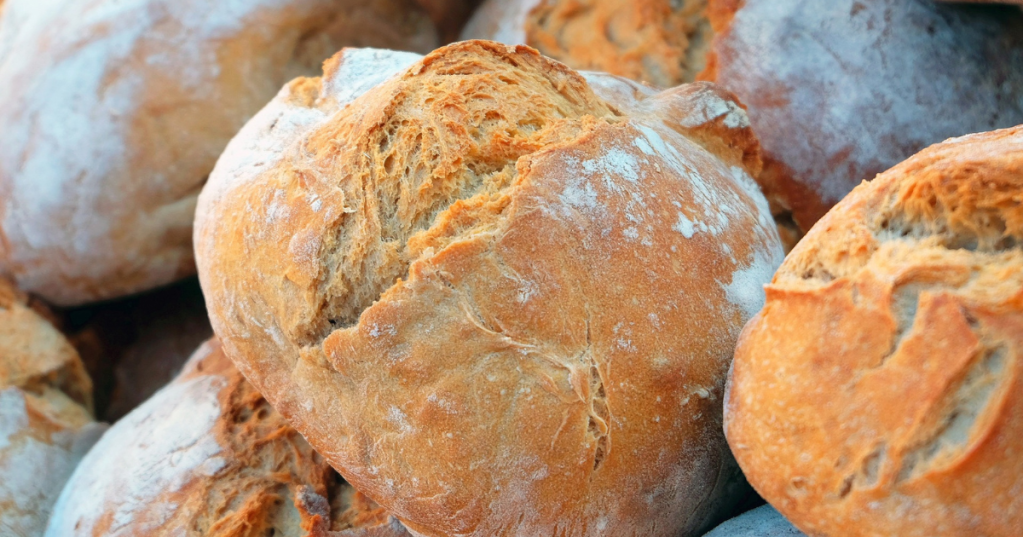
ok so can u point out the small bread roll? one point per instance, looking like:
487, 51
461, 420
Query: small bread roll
880, 390
498, 296
837, 93
208, 456
763, 521
113, 114
45, 421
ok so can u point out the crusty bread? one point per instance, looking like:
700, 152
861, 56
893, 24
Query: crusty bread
113, 114
207, 456
498, 303
836, 94
763, 521
880, 390
661, 42
45, 422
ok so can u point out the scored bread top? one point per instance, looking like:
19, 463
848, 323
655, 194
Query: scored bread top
208, 455
884, 374
495, 296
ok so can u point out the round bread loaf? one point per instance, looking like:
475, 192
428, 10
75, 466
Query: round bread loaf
499, 299
208, 456
45, 421
836, 94
763, 521
880, 390
114, 113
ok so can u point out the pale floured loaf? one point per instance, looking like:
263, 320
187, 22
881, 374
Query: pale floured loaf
207, 456
499, 298
880, 390
763, 521
836, 94
45, 421
841, 92
113, 114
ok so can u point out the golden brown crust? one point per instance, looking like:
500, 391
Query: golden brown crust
233, 468
475, 263
879, 390
99, 176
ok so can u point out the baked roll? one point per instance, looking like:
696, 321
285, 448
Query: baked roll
499, 297
836, 94
46, 423
208, 456
880, 390
114, 113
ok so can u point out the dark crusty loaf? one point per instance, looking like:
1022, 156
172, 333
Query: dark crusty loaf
880, 390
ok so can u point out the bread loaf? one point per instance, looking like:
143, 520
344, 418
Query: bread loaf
114, 113
207, 456
837, 93
880, 390
763, 521
45, 422
499, 298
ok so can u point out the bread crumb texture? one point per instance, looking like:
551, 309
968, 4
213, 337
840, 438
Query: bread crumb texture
45, 420
499, 299
879, 390
114, 113
208, 456
659, 42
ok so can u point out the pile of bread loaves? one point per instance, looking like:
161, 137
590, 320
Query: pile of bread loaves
511, 268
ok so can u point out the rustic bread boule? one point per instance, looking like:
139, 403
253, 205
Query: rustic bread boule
114, 114
498, 303
207, 456
45, 421
879, 392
